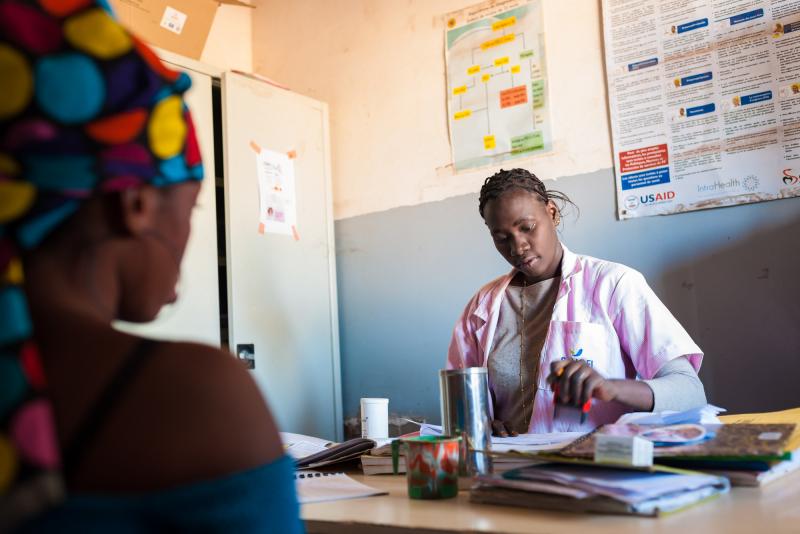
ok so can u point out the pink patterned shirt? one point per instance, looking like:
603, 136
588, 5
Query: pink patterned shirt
605, 313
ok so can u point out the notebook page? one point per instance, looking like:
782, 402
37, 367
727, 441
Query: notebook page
313, 487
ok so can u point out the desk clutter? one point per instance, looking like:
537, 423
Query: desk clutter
695, 456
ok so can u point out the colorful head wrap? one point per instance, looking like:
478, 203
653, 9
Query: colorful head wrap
85, 108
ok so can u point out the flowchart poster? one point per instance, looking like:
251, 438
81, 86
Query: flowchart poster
705, 102
496, 83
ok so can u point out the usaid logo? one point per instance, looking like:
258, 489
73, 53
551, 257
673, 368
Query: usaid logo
632, 202
789, 178
657, 198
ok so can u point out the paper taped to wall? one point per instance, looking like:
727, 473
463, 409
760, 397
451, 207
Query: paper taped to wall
276, 193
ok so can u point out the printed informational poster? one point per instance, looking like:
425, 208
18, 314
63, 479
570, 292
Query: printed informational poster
276, 189
705, 102
496, 83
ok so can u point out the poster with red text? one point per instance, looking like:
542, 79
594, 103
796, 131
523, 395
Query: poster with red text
705, 102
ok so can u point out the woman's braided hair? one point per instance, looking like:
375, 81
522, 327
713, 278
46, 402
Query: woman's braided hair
504, 181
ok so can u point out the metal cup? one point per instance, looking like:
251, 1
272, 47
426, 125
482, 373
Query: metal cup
465, 414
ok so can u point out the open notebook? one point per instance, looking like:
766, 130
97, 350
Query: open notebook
313, 486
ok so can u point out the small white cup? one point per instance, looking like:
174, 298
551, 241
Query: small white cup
375, 418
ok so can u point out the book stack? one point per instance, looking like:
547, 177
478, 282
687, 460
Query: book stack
764, 472
747, 453
587, 487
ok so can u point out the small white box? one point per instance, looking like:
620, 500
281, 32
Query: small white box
623, 450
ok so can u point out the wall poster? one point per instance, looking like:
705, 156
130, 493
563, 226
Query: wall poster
705, 102
497, 100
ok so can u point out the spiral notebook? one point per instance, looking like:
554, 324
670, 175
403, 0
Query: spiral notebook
313, 486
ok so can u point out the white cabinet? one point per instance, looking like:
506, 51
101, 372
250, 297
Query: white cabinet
282, 291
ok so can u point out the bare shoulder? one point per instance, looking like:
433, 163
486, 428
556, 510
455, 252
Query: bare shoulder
192, 413
211, 394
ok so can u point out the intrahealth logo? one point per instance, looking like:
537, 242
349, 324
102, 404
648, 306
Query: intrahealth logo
720, 186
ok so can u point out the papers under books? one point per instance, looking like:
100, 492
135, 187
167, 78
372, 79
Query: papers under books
589, 488
382, 465
552, 441
534, 442
324, 487
379, 460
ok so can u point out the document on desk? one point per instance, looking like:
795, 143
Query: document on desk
313, 486
551, 441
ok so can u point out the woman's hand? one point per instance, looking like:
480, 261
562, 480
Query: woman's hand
577, 382
503, 429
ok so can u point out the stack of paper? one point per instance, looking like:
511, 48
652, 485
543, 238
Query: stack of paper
382, 465
522, 443
589, 488
379, 460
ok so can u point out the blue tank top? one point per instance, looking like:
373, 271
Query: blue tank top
258, 500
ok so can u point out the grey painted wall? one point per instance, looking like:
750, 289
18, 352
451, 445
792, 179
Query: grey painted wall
730, 275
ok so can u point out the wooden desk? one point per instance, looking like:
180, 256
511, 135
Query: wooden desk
774, 509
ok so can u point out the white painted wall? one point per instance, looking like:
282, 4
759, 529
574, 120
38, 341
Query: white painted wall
380, 66
229, 44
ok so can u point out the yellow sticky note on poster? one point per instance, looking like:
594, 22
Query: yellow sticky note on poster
505, 23
515, 69
463, 114
501, 61
488, 142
